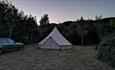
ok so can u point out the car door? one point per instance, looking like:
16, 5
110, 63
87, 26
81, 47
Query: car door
9, 46
12, 45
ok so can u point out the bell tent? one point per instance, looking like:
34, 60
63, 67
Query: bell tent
55, 40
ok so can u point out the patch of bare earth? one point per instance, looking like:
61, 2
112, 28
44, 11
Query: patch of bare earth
78, 58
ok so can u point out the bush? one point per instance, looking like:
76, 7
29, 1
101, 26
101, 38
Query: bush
106, 51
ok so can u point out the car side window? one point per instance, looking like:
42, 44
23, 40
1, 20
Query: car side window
0, 41
3, 41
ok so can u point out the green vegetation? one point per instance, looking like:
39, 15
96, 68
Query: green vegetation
15, 24
44, 20
24, 28
106, 50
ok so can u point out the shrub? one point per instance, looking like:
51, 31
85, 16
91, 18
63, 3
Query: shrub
106, 51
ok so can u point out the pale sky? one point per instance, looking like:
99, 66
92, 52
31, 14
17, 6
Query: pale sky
66, 10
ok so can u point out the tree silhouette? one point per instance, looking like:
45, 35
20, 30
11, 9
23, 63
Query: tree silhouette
44, 20
15, 24
82, 28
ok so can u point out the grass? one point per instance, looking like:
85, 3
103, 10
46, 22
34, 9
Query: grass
79, 58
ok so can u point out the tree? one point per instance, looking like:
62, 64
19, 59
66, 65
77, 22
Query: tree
112, 25
82, 28
8, 14
44, 20
106, 50
98, 17
15, 24
31, 27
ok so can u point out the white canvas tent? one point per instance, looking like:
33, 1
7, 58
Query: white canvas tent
55, 40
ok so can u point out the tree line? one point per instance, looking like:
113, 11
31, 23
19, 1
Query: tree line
15, 24
24, 28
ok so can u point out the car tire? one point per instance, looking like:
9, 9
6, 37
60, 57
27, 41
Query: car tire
21, 48
0, 51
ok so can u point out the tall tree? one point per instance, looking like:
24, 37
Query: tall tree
82, 28
98, 17
15, 24
44, 20
8, 14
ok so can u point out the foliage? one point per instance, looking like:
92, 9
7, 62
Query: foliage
70, 32
24, 28
44, 20
43, 31
106, 50
82, 28
15, 24
104, 27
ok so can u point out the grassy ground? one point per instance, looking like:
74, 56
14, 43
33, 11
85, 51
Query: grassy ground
79, 58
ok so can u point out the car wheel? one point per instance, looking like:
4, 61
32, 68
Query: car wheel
0, 51
21, 48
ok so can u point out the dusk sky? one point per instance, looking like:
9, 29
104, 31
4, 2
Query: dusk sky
66, 10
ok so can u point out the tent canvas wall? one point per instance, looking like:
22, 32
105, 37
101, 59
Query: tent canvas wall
55, 40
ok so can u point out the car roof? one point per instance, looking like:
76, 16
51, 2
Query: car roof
4, 38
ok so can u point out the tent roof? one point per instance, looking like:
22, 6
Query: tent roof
57, 36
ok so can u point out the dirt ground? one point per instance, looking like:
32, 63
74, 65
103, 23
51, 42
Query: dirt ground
78, 58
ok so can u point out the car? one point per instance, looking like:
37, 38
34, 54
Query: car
7, 44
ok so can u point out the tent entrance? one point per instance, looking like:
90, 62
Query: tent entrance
50, 44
